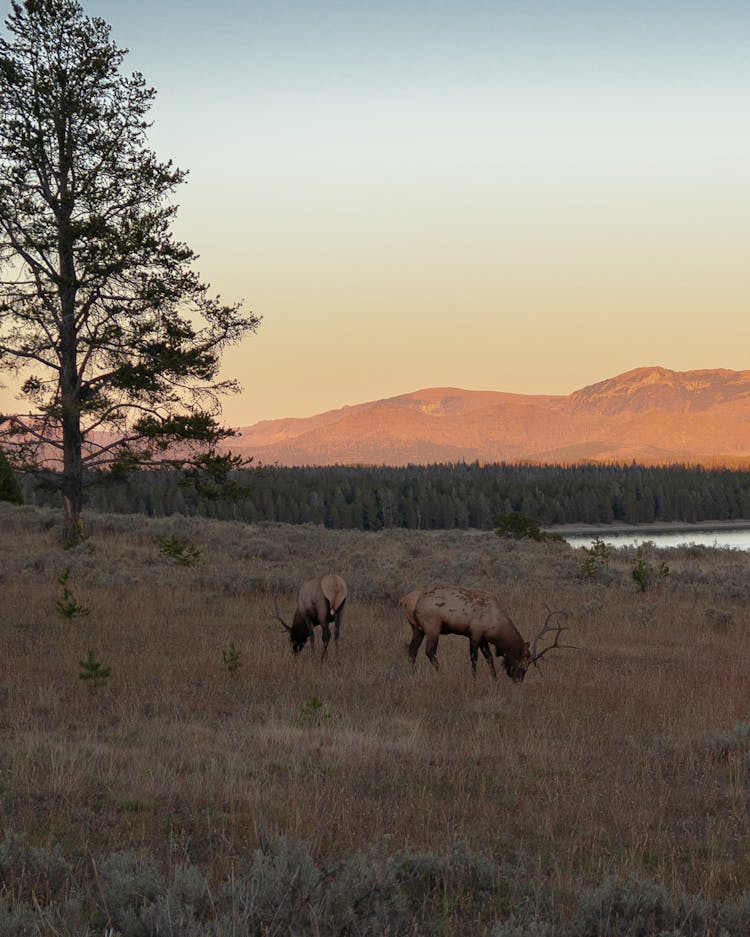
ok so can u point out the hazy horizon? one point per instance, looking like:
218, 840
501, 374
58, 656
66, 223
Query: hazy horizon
527, 198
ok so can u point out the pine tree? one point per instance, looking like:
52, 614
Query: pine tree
101, 311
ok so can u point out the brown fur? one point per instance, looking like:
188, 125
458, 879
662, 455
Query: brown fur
439, 609
320, 601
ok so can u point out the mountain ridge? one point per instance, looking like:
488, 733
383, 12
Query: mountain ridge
648, 414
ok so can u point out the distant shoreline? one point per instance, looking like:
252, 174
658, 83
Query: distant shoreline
659, 527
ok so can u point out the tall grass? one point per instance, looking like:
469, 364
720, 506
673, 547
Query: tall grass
610, 786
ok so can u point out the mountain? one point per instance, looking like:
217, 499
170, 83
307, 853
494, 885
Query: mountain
650, 415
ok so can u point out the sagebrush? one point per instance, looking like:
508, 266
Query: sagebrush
611, 784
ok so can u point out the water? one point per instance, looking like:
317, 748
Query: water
720, 538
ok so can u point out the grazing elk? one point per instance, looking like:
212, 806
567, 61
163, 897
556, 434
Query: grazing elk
320, 601
435, 610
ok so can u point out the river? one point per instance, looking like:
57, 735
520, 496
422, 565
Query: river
725, 537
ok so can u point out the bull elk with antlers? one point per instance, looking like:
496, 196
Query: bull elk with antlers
435, 610
320, 601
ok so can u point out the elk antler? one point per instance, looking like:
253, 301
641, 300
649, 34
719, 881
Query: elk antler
278, 617
556, 643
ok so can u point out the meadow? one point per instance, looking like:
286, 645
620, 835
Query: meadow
213, 784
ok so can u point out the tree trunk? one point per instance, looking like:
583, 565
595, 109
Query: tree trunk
72, 484
70, 403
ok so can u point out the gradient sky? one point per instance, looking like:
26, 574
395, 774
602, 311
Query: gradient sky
524, 196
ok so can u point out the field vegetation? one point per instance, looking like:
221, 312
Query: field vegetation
168, 767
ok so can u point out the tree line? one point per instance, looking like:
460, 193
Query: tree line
432, 497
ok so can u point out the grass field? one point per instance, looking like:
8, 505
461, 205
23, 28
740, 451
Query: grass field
607, 795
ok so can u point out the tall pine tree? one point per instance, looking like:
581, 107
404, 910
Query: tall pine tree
102, 316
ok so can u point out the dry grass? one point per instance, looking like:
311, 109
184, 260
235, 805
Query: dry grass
629, 759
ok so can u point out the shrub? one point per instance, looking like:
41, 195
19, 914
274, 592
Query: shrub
718, 619
17, 921
639, 909
511, 929
140, 902
448, 879
517, 526
260, 548
734, 743
284, 890
26, 871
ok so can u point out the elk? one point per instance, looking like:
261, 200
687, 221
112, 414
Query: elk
320, 601
438, 609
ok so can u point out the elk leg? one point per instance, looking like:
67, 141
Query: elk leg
487, 651
431, 652
337, 619
473, 648
416, 640
326, 638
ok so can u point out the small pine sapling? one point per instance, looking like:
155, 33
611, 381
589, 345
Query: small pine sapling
66, 605
645, 574
597, 559
184, 553
314, 711
231, 660
93, 672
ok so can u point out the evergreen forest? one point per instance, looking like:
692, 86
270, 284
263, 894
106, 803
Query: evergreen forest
432, 497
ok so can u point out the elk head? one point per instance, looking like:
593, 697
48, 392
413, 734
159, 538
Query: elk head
517, 665
297, 636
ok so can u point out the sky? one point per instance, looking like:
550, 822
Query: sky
520, 195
